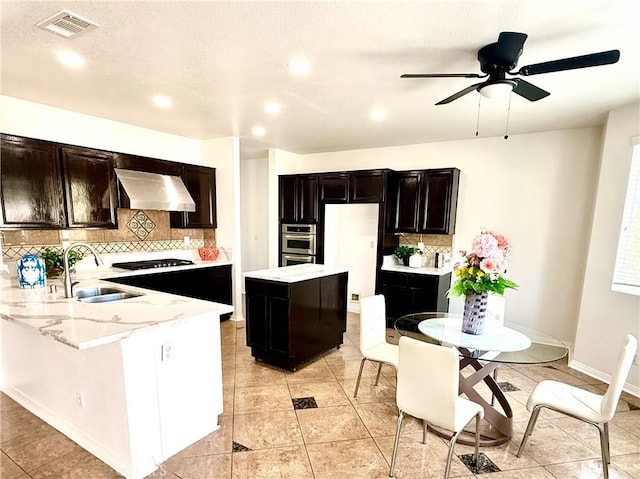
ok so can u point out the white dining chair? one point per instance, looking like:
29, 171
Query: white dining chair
373, 337
594, 409
428, 377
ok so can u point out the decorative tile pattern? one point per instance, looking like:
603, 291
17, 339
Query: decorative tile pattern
484, 466
141, 225
237, 447
15, 252
508, 387
304, 403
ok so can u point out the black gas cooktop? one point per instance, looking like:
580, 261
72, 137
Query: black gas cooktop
152, 263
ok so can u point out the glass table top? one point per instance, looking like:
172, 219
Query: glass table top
508, 343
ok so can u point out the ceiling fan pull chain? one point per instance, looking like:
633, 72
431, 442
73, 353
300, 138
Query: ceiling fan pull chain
506, 129
478, 118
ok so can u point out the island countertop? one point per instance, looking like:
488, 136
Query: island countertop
296, 273
84, 325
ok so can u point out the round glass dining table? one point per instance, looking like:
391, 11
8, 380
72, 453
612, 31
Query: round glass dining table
509, 343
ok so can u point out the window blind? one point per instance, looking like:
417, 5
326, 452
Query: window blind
626, 275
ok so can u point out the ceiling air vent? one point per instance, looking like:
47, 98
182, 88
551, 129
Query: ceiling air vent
66, 24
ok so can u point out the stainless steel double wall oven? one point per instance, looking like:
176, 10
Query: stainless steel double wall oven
298, 244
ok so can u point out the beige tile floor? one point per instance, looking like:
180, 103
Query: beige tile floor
261, 435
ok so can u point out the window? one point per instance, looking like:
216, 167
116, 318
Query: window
626, 275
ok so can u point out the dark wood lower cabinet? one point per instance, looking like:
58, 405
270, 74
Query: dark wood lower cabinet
412, 293
289, 323
209, 284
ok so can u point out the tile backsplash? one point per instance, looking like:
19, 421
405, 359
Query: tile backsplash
160, 237
432, 243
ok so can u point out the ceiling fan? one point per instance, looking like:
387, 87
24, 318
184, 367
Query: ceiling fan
497, 60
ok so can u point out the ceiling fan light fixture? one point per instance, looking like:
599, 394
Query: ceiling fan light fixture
499, 89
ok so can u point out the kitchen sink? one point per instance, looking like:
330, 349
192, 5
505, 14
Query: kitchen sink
102, 294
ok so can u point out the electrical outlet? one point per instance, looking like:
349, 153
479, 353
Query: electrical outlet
355, 297
80, 399
166, 352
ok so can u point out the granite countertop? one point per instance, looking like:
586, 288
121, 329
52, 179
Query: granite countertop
294, 274
424, 270
84, 325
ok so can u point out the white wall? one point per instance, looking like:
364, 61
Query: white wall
351, 241
34, 120
223, 154
606, 316
537, 189
254, 213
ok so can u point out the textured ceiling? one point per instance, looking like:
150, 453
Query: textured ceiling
221, 61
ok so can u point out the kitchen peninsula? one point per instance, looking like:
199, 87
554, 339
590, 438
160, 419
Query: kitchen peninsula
132, 381
295, 313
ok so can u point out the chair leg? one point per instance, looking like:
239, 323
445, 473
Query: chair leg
424, 431
606, 435
395, 444
477, 444
529, 430
378, 375
355, 393
452, 443
604, 446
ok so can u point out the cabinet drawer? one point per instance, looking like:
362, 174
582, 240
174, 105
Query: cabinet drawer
423, 281
395, 279
255, 287
277, 290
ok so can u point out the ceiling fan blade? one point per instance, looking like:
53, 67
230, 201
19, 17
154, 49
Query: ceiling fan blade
442, 75
528, 90
583, 61
455, 96
509, 47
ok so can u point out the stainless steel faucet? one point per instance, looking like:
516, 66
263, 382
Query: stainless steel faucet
68, 287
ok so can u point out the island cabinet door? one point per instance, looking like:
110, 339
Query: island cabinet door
267, 308
256, 310
333, 309
304, 321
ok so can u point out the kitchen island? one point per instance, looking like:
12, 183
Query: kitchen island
131, 381
295, 313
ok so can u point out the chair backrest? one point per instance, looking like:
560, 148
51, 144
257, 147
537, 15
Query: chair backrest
373, 321
611, 397
428, 381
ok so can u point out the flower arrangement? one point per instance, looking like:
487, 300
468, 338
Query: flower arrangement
483, 268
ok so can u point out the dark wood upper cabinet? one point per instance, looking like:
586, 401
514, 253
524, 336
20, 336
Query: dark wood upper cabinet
90, 190
31, 190
440, 201
142, 163
288, 193
425, 201
298, 198
406, 213
367, 186
334, 187
201, 184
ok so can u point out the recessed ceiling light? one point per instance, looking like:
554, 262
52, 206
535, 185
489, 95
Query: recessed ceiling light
272, 108
162, 101
258, 130
70, 59
378, 114
299, 66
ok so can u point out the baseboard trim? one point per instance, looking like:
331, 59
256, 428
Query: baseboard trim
73, 433
605, 378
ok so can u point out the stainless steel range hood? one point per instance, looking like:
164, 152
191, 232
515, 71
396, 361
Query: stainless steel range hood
152, 191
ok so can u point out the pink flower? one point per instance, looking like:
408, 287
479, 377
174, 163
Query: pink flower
489, 265
485, 245
503, 243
